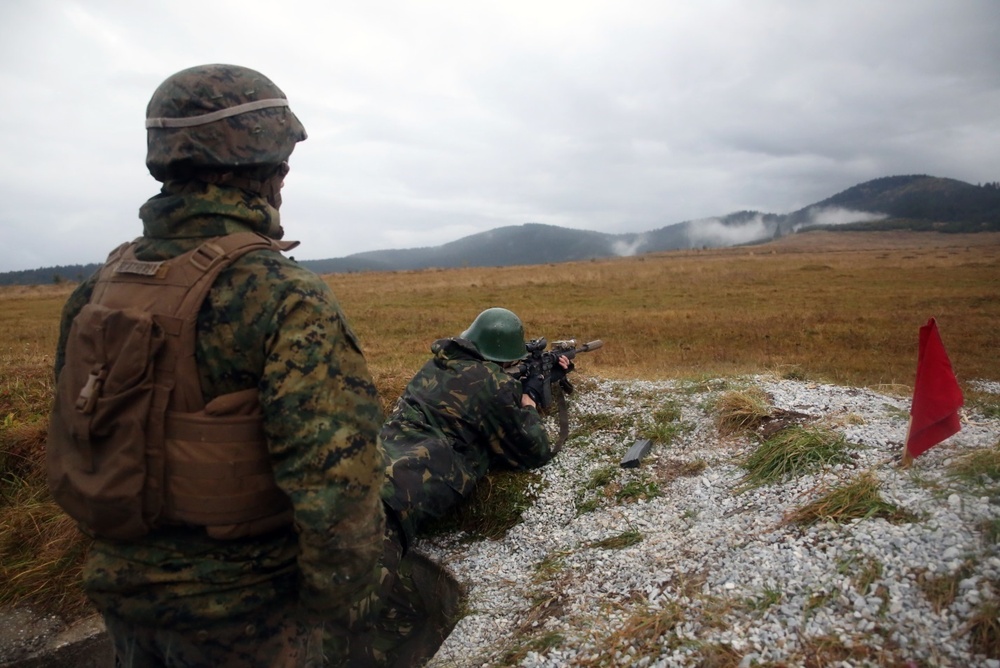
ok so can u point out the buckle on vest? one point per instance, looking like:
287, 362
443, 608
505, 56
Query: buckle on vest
91, 392
206, 255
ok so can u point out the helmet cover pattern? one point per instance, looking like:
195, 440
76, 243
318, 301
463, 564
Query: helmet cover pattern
218, 116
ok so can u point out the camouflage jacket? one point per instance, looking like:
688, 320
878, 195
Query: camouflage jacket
459, 415
270, 324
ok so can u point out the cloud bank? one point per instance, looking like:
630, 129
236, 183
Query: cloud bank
433, 120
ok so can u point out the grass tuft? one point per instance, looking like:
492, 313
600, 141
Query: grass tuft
863, 570
719, 655
742, 411
665, 425
643, 635
859, 499
621, 541
793, 452
990, 529
941, 591
980, 468
637, 489
983, 629
41, 552
539, 643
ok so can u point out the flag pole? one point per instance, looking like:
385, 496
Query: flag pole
907, 457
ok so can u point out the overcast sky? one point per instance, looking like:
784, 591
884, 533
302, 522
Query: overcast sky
430, 120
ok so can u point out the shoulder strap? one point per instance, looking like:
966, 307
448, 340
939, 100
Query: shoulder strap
200, 271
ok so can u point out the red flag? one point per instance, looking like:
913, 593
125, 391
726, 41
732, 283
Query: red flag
936, 395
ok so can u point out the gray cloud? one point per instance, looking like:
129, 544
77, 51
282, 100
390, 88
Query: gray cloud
831, 215
713, 232
436, 119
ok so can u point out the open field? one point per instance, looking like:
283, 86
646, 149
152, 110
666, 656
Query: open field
837, 307
844, 307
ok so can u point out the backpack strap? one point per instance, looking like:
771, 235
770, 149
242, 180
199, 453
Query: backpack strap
200, 271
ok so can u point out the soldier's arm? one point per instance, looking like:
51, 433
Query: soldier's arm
520, 439
322, 419
76, 301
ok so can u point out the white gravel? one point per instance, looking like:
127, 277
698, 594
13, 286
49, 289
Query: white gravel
736, 584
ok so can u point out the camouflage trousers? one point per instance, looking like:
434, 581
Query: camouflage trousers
395, 615
277, 638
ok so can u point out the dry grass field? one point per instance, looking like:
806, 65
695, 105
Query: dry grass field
843, 307
839, 307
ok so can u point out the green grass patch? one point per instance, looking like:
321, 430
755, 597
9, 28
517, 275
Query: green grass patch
550, 566
793, 452
602, 477
858, 499
664, 424
979, 468
588, 423
896, 412
638, 489
595, 489
818, 600
496, 505
983, 402
586, 505
794, 374
664, 433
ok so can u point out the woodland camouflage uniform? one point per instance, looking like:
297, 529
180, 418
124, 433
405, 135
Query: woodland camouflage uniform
269, 324
459, 415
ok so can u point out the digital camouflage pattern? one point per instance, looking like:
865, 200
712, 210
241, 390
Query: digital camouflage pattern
257, 137
459, 415
270, 324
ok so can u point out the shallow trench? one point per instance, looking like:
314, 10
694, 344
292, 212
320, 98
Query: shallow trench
86, 644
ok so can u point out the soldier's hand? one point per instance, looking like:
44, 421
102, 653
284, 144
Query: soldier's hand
533, 385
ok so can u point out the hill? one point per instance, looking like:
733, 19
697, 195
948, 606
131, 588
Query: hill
915, 202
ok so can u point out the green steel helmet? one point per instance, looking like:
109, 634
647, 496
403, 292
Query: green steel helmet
218, 117
498, 335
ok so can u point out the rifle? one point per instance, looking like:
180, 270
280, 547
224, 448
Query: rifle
544, 365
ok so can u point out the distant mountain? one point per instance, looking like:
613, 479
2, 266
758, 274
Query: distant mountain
963, 207
530, 243
917, 202
911, 202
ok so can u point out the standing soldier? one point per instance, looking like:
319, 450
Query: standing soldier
215, 427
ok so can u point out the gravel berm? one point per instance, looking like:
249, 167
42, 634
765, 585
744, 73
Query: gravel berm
694, 571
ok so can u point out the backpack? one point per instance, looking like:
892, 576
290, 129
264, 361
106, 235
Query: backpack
132, 446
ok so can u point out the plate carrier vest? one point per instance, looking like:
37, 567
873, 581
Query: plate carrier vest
132, 446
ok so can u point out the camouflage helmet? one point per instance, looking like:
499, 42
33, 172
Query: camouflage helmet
218, 116
498, 335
